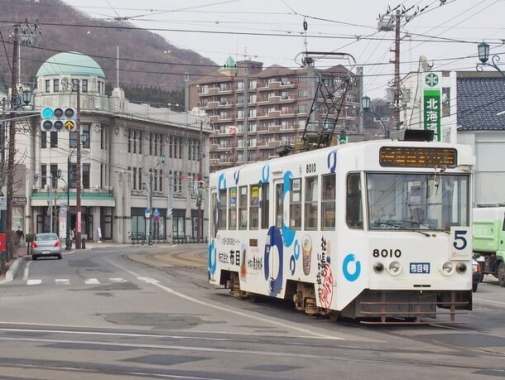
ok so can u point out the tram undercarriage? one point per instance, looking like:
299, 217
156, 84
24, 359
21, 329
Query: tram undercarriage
373, 306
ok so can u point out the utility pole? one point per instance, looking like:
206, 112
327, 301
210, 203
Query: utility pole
12, 144
199, 197
78, 235
396, 102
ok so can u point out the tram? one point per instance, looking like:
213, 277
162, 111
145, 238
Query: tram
378, 231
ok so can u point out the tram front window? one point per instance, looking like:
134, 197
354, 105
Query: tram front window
417, 201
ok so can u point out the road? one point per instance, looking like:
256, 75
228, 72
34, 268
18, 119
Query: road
128, 312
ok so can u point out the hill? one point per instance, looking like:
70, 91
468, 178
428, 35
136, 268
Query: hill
143, 60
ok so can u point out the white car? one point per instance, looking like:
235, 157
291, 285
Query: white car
46, 244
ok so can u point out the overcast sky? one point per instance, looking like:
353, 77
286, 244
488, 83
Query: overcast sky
272, 31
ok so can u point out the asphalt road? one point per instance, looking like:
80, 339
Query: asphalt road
131, 312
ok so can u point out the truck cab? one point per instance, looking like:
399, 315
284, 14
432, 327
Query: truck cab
489, 241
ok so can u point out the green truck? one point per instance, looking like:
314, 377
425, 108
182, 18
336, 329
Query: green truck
489, 241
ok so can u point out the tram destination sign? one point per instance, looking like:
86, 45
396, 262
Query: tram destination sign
417, 157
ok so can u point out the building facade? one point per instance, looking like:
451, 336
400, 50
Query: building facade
473, 113
252, 111
133, 156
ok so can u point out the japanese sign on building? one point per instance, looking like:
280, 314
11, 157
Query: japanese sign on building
432, 103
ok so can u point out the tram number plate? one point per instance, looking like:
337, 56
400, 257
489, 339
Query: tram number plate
419, 268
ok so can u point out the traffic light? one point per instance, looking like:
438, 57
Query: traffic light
58, 118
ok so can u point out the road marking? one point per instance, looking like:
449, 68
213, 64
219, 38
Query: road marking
33, 282
91, 281
282, 324
117, 280
148, 280
62, 281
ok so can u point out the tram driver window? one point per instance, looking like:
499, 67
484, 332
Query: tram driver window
354, 214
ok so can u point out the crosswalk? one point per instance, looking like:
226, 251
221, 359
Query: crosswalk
67, 281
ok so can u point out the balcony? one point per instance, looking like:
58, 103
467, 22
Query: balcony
274, 99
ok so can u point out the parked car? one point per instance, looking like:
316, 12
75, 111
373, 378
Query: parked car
477, 275
46, 244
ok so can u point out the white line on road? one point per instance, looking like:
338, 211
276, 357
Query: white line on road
62, 281
34, 282
117, 280
91, 281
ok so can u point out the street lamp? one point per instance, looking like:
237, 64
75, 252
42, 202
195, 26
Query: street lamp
483, 50
68, 240
161, 161
365, 106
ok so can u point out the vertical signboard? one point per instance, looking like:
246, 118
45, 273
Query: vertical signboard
432, 103
62, 217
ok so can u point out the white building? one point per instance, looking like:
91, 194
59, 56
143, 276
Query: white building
473, 113
120, 160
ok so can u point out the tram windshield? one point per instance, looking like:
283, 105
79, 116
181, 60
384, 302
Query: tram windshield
434, 201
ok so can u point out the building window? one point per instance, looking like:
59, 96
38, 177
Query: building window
54, 176
43, 175
303, 93
56, 85
102, 138
73, 177
85, 131
54, 139
160, 181
140, 178
134, 175
43, 139
84, 85
86, 175
48, 85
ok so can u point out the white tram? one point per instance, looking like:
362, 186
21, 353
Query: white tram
376, 230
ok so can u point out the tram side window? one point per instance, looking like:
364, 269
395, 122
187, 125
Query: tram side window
242, 208
295, 207
265, 206
254, 207
328, 201
279, 205
354, 213
223, 199
233, 209
311, 196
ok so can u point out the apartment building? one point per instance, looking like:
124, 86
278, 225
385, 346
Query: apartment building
253, 111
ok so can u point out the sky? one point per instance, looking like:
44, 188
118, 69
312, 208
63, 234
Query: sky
446, 32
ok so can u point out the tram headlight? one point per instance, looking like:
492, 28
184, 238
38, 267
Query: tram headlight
378, 267
447, 268
394, 268
461, 268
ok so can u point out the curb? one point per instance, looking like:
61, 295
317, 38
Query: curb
13, 270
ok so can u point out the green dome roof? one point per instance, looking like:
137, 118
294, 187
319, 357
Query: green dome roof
70, 63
